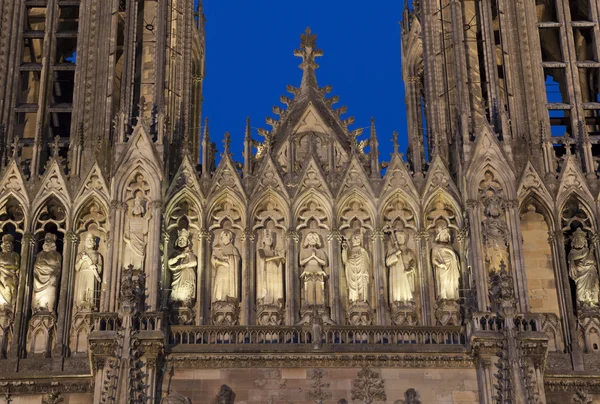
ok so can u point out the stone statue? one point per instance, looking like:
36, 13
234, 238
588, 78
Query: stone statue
225, 261
183, 266
446, 265
495, 233
9, 265
46, 272
88, 267
313, 260
357, 264
269, 277
582, 269
136, 232
402, 264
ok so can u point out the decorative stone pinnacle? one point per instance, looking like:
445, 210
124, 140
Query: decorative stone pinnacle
395, 141
308, 50
55, 146
206, 135
15, 147
568, 142
226, 143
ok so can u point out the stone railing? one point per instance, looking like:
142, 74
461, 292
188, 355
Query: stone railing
531, 322
330, 335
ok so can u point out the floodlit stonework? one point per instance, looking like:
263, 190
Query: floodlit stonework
138, 267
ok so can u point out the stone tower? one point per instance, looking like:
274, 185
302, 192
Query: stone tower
137, 267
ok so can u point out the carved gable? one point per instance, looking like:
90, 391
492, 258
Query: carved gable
571, 180
355, 179
94, 183
268, 177
54, 182
226, 176
185, 178
398, 177
13, 183
438, 178
140, 147
312, 178
311, 121
532, 183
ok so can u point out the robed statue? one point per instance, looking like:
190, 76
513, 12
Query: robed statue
357, 264
46, 273
88, 268
183, 265
269, 275
313, 261
402, 264
225, 261
583, 270
136, 233
446, 265
9, 265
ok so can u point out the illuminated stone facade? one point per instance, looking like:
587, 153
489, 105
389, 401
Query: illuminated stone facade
137, 267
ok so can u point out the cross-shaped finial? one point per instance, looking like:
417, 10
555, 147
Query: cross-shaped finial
226, 142
15, 147
308, 50
395, 141
568, 141
55, 146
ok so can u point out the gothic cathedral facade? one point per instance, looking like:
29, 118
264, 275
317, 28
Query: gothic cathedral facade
138, 266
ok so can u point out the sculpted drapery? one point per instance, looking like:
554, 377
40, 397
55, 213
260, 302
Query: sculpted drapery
357, 263
88, 268
9, 264
46, 272
269, 275
583, 270
183, 267
401, 262
313, 261
136, 232
446, 265
225, 261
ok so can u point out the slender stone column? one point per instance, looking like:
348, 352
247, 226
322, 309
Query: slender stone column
152, 264
554, 238
425, 276
111, 280
335, 299
200, 277
208, 276
516, 256
65, 297
292, 273
23, 297
379, 299
248, 315
485, 379
477, 253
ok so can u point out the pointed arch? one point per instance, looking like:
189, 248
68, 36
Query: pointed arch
92, 210
13, 183
320, 201
262, 201
128, 173
226, 205
540, 201
188, 196
353, 206
576, 208
399, 205
434, 202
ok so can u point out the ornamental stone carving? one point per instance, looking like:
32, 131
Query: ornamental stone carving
46, 273
270, 263
183, 265
9, 266
136, 232
402, 263
313, 260
446, 264
225, 261
495, 233
583, 270
88, 268
357, 264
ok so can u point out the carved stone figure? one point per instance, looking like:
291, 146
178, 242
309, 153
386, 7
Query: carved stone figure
225, 261
446, 265
269, 276
402, 264
88, 267
136, 233
495, 233
9, 265
313, 260
46, 272
583, 270
183, 266
357, 264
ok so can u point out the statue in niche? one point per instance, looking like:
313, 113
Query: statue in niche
88, 267
136, 233
495, 233
582, 269
402, 264
183, 266
357, 263
46, 272
9, 265
446, 264
270, 271
225, 260
313, 260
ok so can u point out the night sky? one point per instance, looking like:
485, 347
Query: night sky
250, 61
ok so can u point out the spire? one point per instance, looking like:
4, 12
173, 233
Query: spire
308, 52
374, 151
205, 150
248, 149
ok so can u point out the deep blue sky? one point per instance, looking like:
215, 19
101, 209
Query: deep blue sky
250, 61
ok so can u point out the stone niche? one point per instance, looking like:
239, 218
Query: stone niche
309, 385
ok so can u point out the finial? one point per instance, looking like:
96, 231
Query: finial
142, 106
248, 128
55, 146
395, 141
206, 135
567, 142
308, 50
226, 143
15, 147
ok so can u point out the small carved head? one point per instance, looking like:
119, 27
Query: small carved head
49, 242
356, 239
7, 243
91, 241
183, 238
312, 240
268, 238
442, 232
226, 237
579, 239
401, 237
